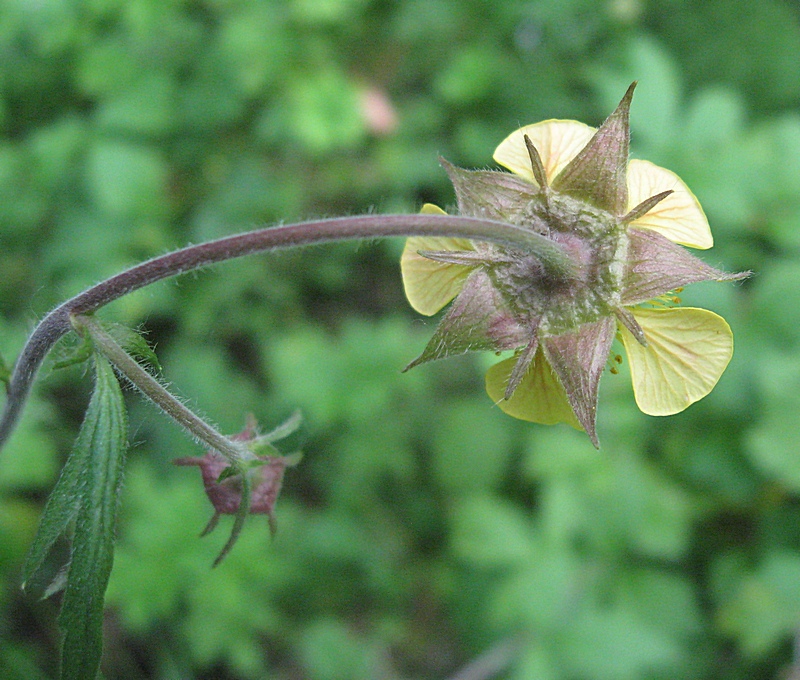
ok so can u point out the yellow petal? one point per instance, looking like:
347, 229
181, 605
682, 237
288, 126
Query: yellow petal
557, 141
539, 398
687, 351
679, 216
431, 209
430, 285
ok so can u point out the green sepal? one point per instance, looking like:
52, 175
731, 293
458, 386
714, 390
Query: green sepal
232, 470
212, 524
293, 459
241, 517
87, 492
598, 173
578, 358
496, 196
289, 460
478, 320
286, 428
655, 265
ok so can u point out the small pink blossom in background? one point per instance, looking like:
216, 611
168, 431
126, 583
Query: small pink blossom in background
379, 113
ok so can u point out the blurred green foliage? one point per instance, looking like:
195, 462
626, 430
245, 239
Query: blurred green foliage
423, 527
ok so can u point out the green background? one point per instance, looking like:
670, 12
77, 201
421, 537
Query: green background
424, 529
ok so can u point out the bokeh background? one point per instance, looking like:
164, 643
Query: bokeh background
424, 530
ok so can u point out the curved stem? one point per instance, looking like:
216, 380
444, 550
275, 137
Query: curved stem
57, 323
158, 394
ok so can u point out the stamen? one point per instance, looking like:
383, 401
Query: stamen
667, 300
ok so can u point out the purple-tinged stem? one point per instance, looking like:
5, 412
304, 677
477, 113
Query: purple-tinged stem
57, 323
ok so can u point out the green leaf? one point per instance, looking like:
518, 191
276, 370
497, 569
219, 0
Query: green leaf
101, 447
127, 179
489, 532
471, 447
656, 106
64, 501
75, 355
134, 343
611, 642
765, 604
130, 340
5, 371
330, 650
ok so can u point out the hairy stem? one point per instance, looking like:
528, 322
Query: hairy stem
57, 323
157, 393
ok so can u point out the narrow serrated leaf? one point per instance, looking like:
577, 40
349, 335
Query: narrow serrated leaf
64, 500
103, 436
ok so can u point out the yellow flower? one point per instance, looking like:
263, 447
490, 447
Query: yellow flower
623, 224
